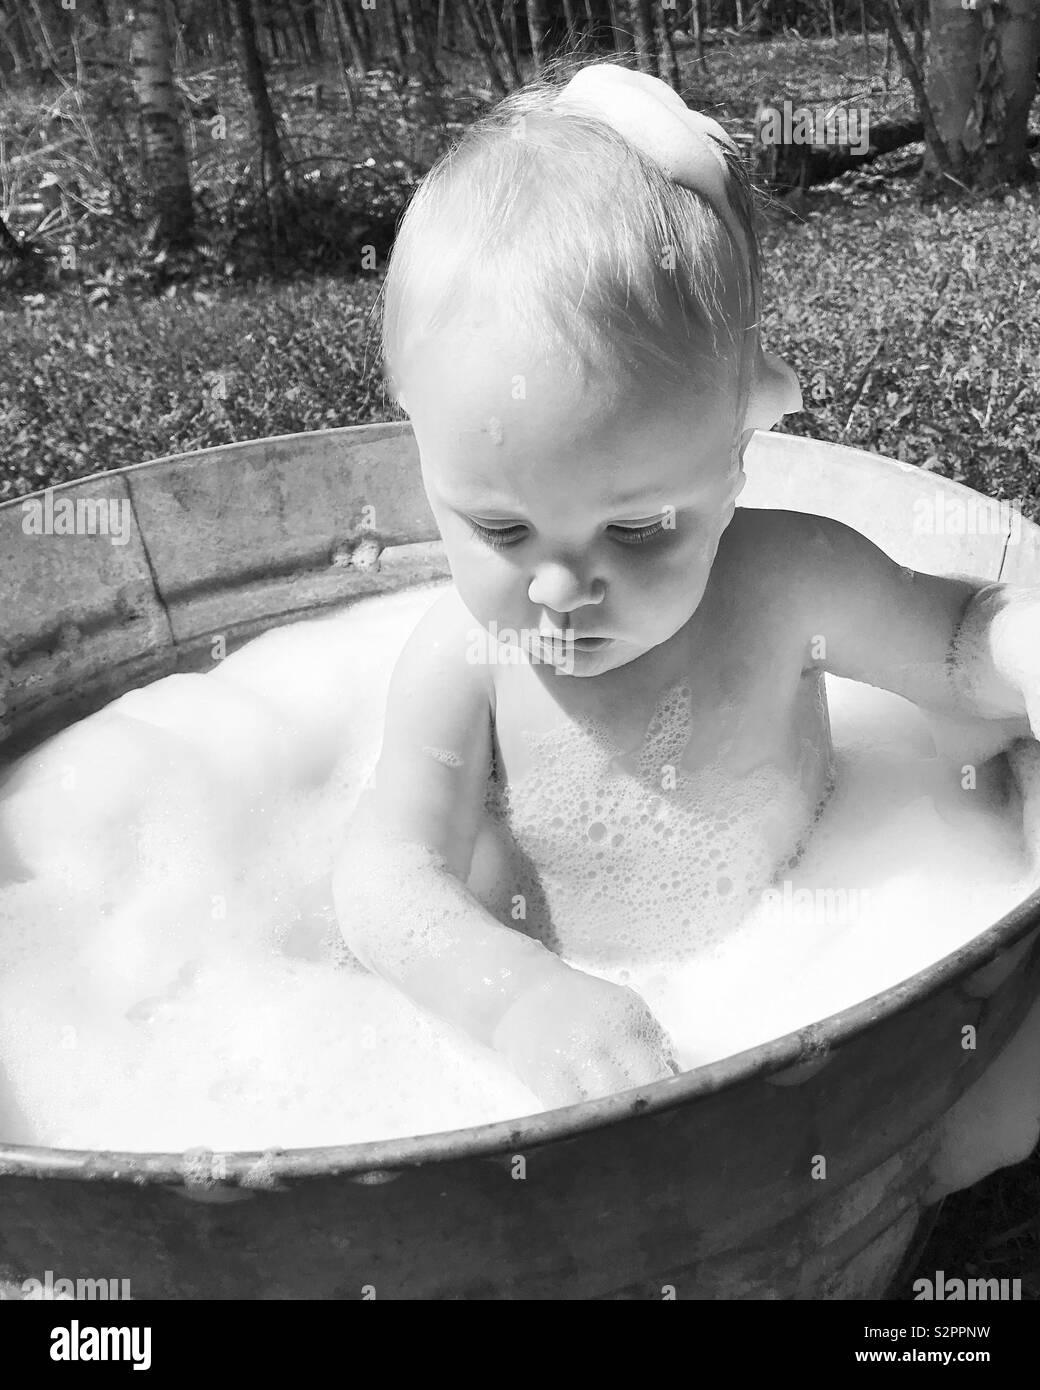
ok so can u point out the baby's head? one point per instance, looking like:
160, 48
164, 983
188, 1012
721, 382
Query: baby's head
574, 334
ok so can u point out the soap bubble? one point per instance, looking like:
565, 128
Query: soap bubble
172, 975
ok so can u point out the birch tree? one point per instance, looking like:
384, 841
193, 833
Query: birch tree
168, 187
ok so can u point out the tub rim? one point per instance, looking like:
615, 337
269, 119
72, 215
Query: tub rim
383, 1158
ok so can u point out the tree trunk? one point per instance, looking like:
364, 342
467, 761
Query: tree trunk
309, 20
472, 24
366, 27
536, 28
163, 156
272, 167
622, 44
643, 30
347, 25
421, 53
426, 26
503, 48
570, 18
35, 44
667, 63
981, 84
514, 29
698, 36
400, 53
299, 35
343, 51
893, 28
918, 9
47, 47
591, 24
17, 45
226, 32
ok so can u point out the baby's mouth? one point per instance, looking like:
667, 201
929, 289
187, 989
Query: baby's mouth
564, 641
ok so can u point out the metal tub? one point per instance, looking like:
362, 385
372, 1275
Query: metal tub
701, 1186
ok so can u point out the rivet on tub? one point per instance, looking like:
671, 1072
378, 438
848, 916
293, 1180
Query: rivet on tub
376, 1177
205, 1174
261, 1173
362, 554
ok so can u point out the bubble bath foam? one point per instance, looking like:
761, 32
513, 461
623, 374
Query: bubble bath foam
172, 974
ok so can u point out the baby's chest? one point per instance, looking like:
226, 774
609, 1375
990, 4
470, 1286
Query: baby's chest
736, 710
621, 834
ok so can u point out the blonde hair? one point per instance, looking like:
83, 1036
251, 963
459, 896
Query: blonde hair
551, 226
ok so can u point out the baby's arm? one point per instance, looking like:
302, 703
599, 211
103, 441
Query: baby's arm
405, 910
959, 646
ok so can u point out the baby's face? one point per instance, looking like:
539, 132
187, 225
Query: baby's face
564, 511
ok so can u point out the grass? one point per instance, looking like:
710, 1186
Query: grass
98, 388
915, 331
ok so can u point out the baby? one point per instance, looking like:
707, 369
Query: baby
619, 704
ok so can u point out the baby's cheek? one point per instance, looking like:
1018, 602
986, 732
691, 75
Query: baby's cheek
682, 572
493, 593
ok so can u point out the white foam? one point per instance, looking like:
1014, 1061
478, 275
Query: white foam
638, 859
171, 971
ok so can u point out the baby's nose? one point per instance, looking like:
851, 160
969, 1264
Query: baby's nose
562, 588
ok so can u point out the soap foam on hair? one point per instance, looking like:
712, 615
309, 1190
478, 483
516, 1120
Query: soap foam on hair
174, 978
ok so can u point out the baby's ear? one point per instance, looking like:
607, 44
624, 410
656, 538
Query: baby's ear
774, 393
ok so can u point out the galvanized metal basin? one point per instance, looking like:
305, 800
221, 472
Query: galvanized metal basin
701, 1185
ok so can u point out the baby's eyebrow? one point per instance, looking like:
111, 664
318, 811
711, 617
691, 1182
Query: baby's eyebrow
632, 499
644, 503
484, 507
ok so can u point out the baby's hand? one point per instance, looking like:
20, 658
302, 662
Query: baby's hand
573, 1037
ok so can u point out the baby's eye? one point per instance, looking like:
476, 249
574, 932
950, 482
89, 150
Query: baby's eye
636, 535
498, 536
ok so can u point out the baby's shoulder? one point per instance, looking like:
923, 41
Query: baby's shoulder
438, 698
438, 653
766, 548
774, 568
778, 531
